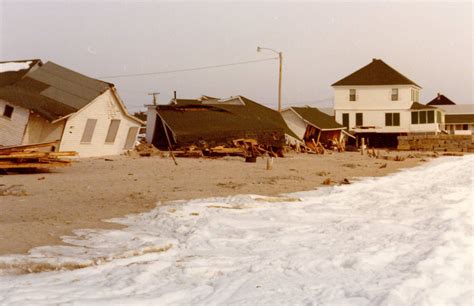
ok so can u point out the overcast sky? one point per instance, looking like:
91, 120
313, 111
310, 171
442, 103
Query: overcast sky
429, 42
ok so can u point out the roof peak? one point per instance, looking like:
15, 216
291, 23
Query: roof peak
441, 99
377, 72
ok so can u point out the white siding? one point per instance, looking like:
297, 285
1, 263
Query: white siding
12, 129
40, 130
150, 122
104, 108
376, 119
372, 98
373, 102
294, 122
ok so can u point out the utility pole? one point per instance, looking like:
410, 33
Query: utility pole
280, 57
280, 72
154, 94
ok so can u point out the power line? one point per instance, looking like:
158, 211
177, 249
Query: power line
183, 70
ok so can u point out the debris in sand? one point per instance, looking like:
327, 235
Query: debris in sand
327, 181
352, 166
277, 199
146, 149
323, 173
230, 185
13, 190
383, 166
345, 181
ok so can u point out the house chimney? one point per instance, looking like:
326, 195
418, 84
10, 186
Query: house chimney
174, 95
439, 96
373, 60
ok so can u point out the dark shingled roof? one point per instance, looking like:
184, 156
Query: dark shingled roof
465, 118
441, 100
221, 123
10, 77
186, 102
252, 108
416, 106
375, 73
317, 118
53, 91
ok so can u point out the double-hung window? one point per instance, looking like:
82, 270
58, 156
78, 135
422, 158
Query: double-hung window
352, 94
394, 94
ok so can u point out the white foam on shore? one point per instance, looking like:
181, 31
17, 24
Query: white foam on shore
404, 239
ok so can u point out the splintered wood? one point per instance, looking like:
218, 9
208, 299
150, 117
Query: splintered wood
239, 147
35, 156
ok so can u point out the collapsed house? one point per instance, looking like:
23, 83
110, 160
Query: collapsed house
42, 103
316, 128
209, 122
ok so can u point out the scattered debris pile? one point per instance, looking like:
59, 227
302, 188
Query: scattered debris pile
147, 149
35, 156
247, 148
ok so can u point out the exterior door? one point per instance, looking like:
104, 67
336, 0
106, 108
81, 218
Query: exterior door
345, 120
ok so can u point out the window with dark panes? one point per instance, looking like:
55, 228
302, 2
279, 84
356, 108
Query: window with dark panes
394, 94
423, 117
392, 119
396, 119
414, 117
388, 119
359, 119
352, 94
430, 116
8, 111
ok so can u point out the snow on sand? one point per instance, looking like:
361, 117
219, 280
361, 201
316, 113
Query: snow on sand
405, 239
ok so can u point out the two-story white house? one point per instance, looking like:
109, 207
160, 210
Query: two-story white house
380, 103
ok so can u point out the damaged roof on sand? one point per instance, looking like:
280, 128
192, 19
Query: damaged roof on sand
53, 91
220, 123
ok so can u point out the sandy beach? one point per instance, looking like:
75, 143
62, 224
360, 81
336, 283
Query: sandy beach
46, 206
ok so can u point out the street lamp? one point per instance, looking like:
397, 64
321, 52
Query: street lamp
280, 58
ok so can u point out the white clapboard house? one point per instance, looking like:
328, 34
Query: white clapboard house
459, 118
47, 102
379, 103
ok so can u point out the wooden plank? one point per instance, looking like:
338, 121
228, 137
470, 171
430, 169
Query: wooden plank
227, 150
33, 165
15, 155
29, 146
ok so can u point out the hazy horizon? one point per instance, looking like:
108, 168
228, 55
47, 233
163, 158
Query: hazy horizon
429, 42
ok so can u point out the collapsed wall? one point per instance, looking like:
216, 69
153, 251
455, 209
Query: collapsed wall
437, 143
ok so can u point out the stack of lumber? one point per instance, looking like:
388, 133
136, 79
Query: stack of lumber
35, 156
